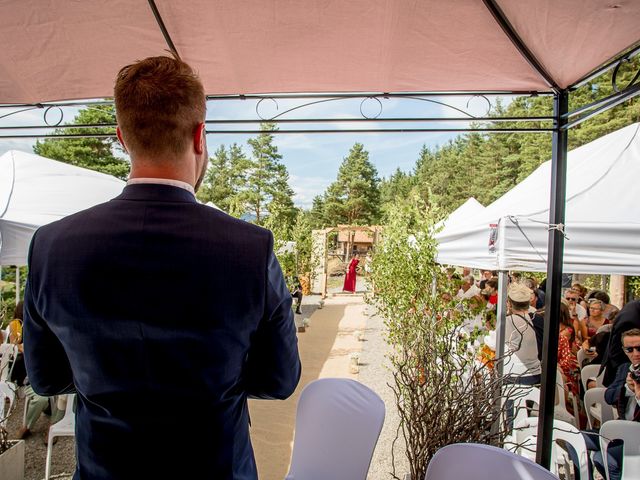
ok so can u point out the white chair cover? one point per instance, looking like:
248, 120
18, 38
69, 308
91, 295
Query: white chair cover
629, 432
483, 462
338, 422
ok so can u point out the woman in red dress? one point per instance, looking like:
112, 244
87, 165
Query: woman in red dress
350, 277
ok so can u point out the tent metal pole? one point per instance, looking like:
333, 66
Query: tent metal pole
501, 316
554, 279
17, 284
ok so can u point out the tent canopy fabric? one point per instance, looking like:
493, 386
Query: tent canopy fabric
464, 212
602, 223
35, 191
67, 49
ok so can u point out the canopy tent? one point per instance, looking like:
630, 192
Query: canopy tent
470, 208
35, 191
602, 221
65, 49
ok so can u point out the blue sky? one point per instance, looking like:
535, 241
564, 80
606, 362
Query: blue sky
313, 159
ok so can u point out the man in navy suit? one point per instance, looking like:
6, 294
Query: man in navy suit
162, 314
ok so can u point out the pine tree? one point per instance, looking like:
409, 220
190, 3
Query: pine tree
91, 153
267, 192
354, 198
225, 179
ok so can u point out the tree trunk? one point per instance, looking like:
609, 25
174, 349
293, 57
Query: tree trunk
617, 290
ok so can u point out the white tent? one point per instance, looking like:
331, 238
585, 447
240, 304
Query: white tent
602, 216
35, 191
465, 212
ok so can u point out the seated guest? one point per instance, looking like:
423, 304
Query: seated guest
567, 360
578, 313
609, 310
582, 293
628, 318
596, 318
468, 288
491, 292
624, 395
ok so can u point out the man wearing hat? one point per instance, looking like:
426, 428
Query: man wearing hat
522, 364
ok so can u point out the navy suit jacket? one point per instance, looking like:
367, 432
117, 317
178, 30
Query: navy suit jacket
616, 394
163, 315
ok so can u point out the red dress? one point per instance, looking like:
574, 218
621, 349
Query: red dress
350, 277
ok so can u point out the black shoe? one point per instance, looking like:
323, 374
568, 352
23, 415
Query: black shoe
298, 312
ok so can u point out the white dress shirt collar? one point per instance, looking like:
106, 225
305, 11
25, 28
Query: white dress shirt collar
163, 181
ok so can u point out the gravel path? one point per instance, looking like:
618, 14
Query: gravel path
375, 374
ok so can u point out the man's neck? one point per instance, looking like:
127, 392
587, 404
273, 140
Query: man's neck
179, 171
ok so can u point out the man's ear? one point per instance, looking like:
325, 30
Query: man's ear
199, 138
120, 139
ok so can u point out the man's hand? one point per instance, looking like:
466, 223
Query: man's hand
636, 388
588, 353
633, 386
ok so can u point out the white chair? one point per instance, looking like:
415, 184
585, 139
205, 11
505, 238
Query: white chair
564, 432
66, 427
560, 411
7, 392
596, 407
8, 352
483, 462
582, 357
629, 433
338, 423
591, 371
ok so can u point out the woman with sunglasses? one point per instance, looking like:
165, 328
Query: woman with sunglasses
596, 318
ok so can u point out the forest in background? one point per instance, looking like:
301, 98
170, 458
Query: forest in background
252, 183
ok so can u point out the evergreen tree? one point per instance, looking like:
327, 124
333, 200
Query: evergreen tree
354, 198
267, 192
225, 179
92, 153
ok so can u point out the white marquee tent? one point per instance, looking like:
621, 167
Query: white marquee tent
602, 223
35, 191
467, 211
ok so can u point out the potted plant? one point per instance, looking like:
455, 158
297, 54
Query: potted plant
445, 391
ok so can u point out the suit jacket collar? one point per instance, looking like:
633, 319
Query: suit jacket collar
156, 192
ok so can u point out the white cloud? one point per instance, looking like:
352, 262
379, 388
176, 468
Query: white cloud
306, 188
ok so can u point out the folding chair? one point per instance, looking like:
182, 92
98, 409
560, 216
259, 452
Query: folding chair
338, 423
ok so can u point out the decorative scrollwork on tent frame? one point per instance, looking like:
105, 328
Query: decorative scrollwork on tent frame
616, 71
261, 114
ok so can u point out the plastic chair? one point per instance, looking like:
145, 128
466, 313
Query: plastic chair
8, 352
591, 371
596, 407
629, 433
562, 431
582, 357
66, 427
560, 411
338, 423
483, 462
7, 392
